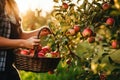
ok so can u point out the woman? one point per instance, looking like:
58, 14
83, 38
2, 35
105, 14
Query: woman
12, 36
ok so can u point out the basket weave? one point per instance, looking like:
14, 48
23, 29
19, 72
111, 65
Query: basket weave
29, 63
35, 64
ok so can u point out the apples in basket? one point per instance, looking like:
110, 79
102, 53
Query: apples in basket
40, 59
43, 52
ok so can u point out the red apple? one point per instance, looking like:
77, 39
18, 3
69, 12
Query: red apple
41, 54
110, 21
103, 76
50, 72
46, 49
114, 44
87, 32
24, 52
45, 32
76, 28
31, 51
65, 6
91, 39
106, 6
31, 54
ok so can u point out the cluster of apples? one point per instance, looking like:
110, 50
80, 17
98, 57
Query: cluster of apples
26, 52
89, 35
110, 21
45, 51
74, 30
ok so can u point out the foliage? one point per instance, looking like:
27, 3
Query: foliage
99, 56
83, 59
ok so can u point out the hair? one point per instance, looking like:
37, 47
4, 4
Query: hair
11, 7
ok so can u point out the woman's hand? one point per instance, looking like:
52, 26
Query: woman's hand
31, 42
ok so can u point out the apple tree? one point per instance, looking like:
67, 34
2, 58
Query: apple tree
88, 34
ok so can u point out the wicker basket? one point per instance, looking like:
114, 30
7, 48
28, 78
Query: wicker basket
35, 63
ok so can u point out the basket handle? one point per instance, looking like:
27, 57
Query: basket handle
38, 36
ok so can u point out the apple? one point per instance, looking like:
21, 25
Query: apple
71, 32
87, 32
65, 6
24, 52
103, 76
48, 55
110, 21
46, 49
41, 54
31, 51
55, 54
51, 72
76, 28
114, 44
45, 32
91, 39
106, 6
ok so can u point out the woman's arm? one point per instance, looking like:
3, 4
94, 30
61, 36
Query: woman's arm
27, 40
28, 34
6, 43
11, 43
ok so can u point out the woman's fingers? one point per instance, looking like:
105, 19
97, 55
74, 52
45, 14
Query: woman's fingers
36, 40
31, 42
35, 44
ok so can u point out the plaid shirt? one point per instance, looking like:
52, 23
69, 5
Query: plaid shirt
5, 30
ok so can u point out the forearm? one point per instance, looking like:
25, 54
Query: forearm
10, 43
28, 34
